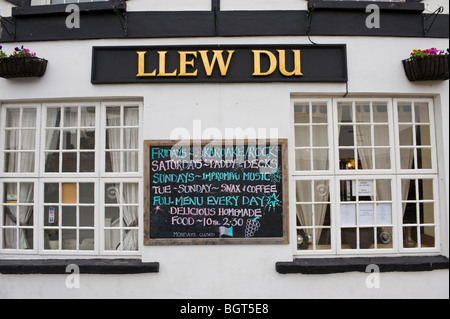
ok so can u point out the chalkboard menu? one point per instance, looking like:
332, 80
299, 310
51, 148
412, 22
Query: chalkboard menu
216, 193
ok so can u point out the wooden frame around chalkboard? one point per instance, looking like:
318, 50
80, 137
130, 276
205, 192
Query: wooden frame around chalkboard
148, 241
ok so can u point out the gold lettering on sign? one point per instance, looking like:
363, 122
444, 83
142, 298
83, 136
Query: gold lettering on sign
184, 63
297, 63
218, 57
141, 65
257, 62
162, 65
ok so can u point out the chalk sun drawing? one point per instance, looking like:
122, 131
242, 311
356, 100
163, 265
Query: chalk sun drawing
272, 202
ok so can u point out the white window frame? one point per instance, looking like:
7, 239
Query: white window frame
99, 177
20, 106
395, 174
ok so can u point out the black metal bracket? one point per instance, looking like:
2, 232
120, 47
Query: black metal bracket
12, 22
309, 17
426, 17
123, 18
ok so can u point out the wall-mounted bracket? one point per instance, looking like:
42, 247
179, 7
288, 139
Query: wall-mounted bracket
123, 18
426, 17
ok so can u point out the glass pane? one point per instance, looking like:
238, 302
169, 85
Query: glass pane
12, 140
322, 215
362, 112
113, 139
70, 139
384, 237
363, 135
27, 162
130, 193
321, 191
87, 193
302, 160
86, 241
51, 193
366, 214
366, 238
87, 162
424, 158
427, 236
71, 117
302, 136
52, 140
28, 140
129, 240
380, 114
112, 162
112, 216
383, 190
346, 159
51, 216
131, 138
10, 195
365, 160
10, 216
382, 158
348, 215
406, 158
323, 238
348, 238
421, 112
26, 239
9, 239
301, 113
87, 139
51, 162
112, 192
51, 237
69, 162
86, 216
112, 239
381, 135
87, 116
12, 118
410, 237
130, 162
131, 116
345, 112
11, 162
303, 189
346, 136
320, 157
384, 214
425, 189
26, 193
404, 112
409, 213
113, 116
26, 215
320, 135
423, 135
304, 215
426, 211
53, 117
320, 113
69, 239
69, 216
305, 239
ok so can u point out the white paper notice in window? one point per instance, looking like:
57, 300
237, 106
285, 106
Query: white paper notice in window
384, 214
348, 215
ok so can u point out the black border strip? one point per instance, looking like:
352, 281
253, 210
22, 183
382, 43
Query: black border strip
319, 266
106, 24
86, 266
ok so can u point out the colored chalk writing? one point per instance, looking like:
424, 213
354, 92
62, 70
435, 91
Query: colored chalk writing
220, 192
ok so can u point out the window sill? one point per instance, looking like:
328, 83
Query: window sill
361, 5
87, 266
61, 8
318, 266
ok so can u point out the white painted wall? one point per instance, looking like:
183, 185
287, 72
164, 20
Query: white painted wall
375, 68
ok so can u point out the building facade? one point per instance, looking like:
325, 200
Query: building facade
89, 184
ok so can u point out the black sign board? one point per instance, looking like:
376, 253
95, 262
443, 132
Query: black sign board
219, 64
216, 193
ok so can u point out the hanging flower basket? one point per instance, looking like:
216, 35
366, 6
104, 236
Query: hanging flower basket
22, 63
22, 67
425, 66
